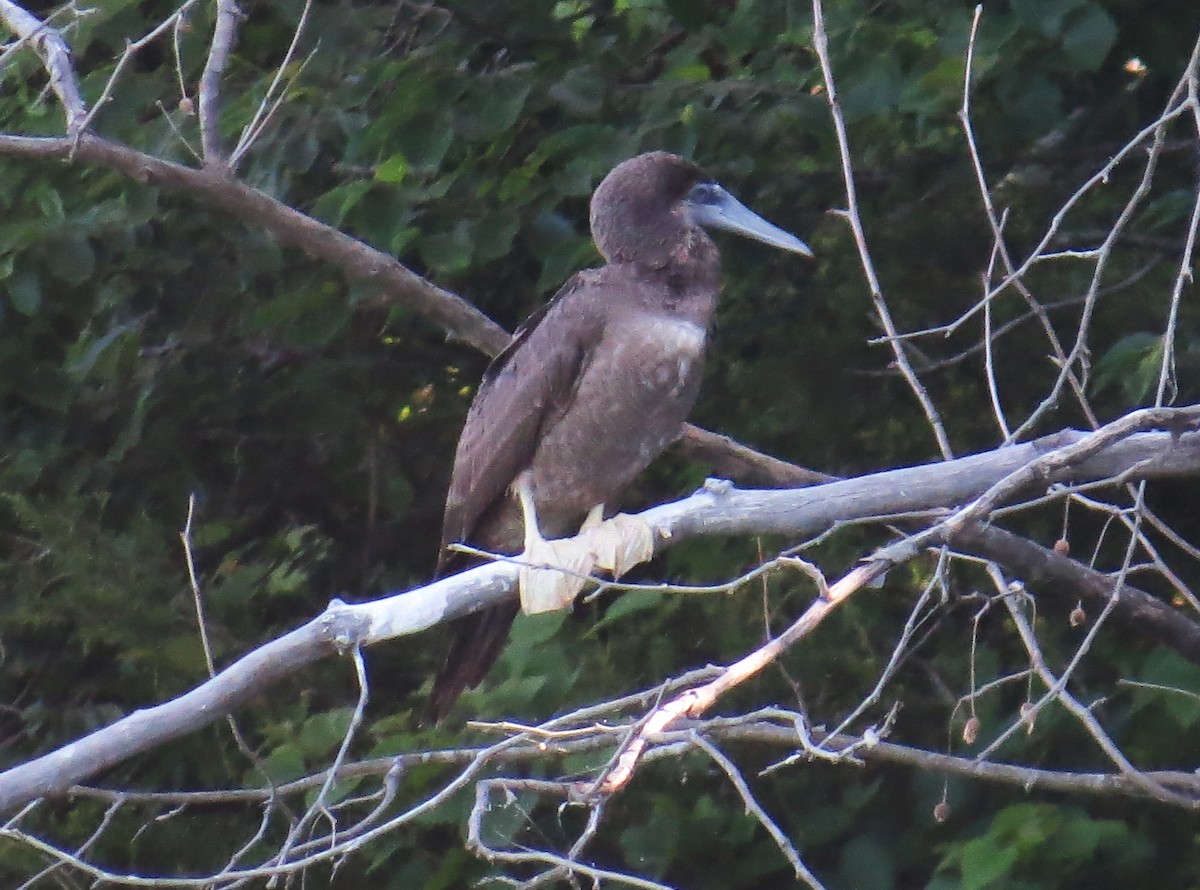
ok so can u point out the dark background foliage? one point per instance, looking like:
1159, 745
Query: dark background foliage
151, 350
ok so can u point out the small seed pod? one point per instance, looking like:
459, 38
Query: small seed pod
1062, 547
1029, 715
971, 730
941, 812
1078, 616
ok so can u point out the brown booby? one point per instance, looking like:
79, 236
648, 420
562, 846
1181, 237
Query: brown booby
595, 384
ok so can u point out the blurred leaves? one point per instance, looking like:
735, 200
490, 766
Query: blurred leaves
1132, 365
151, 350
1027, 841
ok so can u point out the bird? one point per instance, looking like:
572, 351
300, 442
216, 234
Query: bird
593, 386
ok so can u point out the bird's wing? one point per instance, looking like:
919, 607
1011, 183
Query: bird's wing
531, 380
528, 384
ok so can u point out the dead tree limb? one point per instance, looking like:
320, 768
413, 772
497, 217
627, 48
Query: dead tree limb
718, 509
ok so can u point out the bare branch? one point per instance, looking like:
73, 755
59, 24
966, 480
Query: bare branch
821, 43
224, 34
718, 510
55, 55
132, 48
292, 228
1057, 690
270, 102
755, 808
732, 460
1066, 579
696, 702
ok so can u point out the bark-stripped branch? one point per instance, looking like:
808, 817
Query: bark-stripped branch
984, 481
224, 34
1068, 458
56, 57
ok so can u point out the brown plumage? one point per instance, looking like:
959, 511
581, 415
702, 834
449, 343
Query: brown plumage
594, 385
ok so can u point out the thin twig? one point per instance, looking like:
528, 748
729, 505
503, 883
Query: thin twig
270, 103
754, 808
821, 43
224, 34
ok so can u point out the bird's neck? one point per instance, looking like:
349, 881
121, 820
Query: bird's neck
683, 288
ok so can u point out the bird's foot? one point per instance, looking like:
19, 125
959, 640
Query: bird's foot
620, 543
554, 571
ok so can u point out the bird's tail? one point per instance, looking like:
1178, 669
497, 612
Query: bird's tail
477, 642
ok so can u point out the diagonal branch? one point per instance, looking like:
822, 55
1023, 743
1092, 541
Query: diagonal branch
270, 102
1067, 579
224, 34
821, 44
981, 480
1067, 459
292, 228
55, 55
459, 318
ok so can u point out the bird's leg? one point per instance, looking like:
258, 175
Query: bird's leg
554, 571
594, 518
523, 488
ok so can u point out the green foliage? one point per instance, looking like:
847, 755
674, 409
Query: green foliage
1170, 694
151, 349
1027, 843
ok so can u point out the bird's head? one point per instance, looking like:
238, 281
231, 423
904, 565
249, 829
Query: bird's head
646, 206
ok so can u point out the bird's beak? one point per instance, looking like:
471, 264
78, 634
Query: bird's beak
711, 206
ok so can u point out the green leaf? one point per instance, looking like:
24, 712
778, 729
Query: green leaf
581, 92
86, 353
1131, 365
867, 864
282, 765
333, 206
425, 140
629, 603
1037, 104
493, 234
690, 14
394, 169
323, 733
1180, 680
505, 816
25, 291
1089, 37
491, 112
1045, 16
696, 72
532, 630
1167, 210
49, 202
45, 387
983, 862
402, 239
876, 91
449, 251
650, 846
73, 259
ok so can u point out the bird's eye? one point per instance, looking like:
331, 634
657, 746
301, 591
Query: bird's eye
704, 193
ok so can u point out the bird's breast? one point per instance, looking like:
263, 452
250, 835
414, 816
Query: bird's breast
638, 386
648, 363
673, 335
665, 351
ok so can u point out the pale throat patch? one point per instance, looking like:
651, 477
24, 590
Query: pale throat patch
676, 335
679, 343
